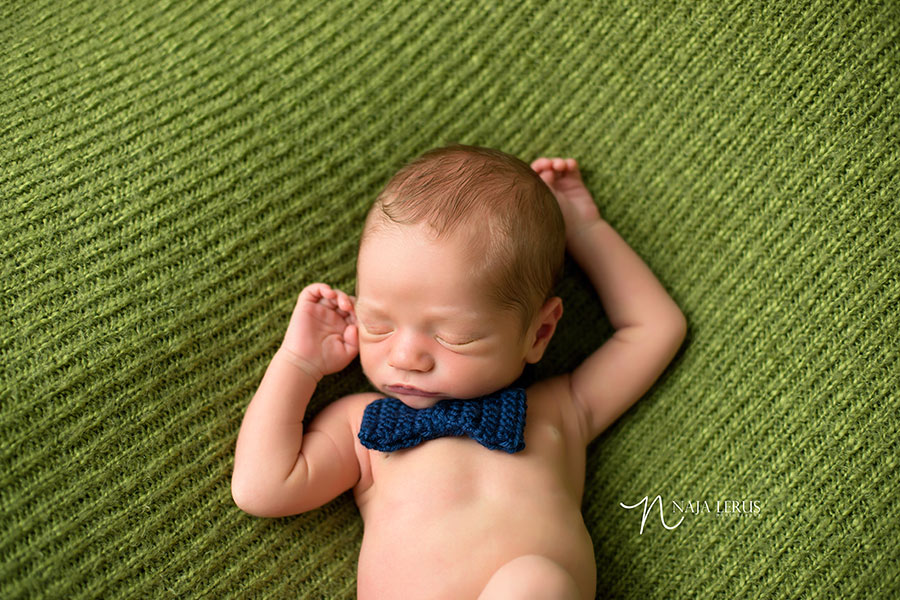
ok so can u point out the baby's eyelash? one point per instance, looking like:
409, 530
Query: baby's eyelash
446, 341
374, 330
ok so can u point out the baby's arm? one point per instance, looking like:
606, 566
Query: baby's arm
278, 470
649, 326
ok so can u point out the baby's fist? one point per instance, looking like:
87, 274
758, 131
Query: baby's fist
322, 335
563, 177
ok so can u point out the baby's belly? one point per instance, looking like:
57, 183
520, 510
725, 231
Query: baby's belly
410, 551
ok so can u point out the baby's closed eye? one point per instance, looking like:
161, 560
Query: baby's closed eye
377, 328
457, 340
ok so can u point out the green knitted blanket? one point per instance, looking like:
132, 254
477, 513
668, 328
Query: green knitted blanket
173, 173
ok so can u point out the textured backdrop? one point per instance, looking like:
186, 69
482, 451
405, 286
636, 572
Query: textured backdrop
172, 174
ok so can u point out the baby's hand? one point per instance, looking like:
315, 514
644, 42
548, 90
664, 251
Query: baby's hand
322, 335
575, 202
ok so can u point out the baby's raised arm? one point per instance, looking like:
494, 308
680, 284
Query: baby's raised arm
649, 326
278, 470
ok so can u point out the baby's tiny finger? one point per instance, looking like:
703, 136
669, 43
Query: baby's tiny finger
559, 164
351, 336
539, 164
316, 291
343, 301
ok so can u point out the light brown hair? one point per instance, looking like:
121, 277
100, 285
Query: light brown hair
517, 232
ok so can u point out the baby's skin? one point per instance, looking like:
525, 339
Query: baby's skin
450, 518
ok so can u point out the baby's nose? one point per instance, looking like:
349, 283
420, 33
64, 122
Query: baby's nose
410, 354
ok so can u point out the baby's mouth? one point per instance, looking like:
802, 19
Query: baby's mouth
409, 391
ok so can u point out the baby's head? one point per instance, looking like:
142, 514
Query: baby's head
457, 263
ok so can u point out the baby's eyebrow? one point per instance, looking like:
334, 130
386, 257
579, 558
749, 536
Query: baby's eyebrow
453, 313
448, 313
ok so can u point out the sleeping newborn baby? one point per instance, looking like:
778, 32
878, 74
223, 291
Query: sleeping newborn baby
468, 486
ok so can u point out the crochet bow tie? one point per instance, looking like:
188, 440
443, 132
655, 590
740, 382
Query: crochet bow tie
496, 421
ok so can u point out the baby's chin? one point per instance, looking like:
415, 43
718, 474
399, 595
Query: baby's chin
417, 402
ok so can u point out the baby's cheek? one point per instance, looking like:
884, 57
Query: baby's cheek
470, 377
365, 355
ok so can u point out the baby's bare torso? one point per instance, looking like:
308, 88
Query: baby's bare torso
441, 518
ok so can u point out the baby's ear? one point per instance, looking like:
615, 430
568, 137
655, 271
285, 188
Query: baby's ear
547, 318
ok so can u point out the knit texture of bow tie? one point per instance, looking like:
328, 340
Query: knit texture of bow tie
496, 421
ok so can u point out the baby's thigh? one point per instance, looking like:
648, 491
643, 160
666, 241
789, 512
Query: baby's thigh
531, 577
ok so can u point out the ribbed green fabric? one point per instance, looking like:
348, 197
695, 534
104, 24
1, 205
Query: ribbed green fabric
172, 174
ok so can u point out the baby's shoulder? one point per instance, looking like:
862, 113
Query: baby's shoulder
552, 391
551, 400
352, 406
341, 418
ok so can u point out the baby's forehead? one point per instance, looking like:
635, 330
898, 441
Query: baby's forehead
465, 247
470, 238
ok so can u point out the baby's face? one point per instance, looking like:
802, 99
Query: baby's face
427, 330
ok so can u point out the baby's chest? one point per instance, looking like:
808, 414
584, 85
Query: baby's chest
447, 464
454, 472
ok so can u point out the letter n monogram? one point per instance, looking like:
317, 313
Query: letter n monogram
647, 512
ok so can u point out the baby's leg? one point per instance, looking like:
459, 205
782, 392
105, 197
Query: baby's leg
531, 577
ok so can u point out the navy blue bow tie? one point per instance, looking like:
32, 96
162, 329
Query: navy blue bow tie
496, 421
